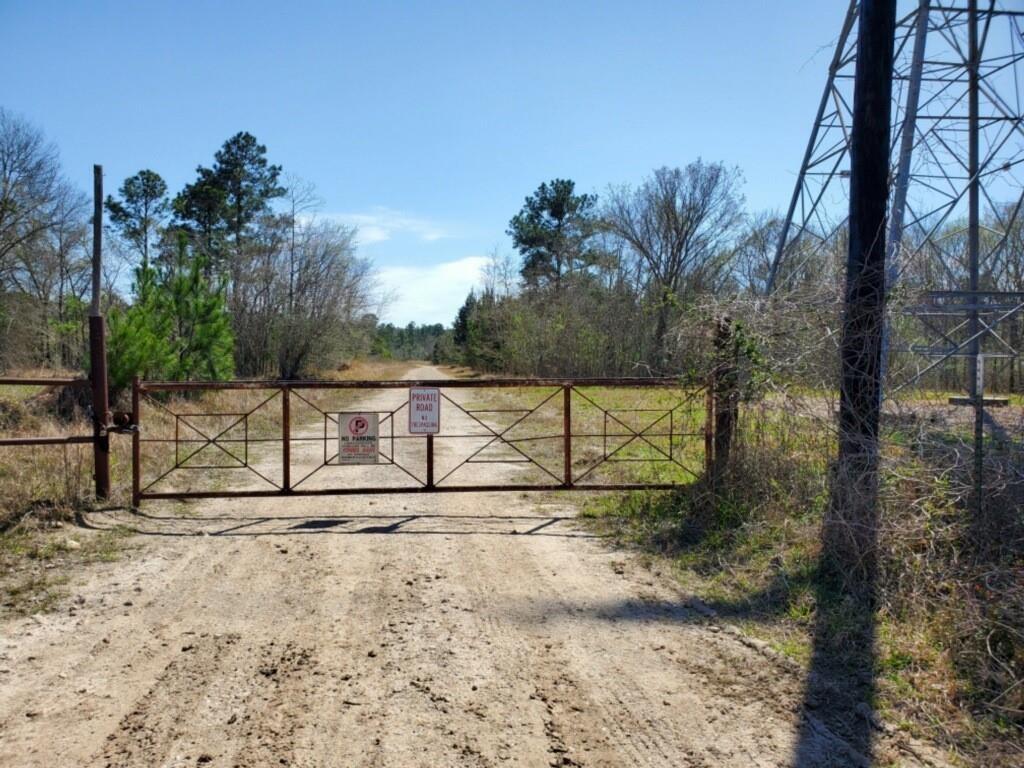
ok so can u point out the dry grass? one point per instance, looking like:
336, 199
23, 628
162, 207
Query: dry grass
52, 482
373, 369
47, 482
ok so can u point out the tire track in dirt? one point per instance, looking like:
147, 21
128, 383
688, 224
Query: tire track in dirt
571, 695
237, 695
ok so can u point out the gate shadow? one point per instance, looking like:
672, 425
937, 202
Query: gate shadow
407, 524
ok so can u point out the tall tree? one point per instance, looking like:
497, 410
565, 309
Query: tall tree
551, 231
53, 268
679, 224
248, 180
30, 184
460, 328
200, 210
139, 211
326, 289
227, 200
755, 250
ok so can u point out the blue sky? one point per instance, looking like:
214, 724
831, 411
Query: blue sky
425, 123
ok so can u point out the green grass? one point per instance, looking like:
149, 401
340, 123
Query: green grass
36, 564
597, 436
33, 594
752, 552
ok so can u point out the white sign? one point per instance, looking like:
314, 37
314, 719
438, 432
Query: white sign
424, 410
357, 438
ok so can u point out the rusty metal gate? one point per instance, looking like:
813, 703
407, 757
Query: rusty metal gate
278, 438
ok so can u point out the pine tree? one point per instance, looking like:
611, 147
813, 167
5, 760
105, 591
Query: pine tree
204, 341
139, 341
139, 212
178, 327
552, 230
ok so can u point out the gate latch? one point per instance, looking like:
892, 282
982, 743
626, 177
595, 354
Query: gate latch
121, 423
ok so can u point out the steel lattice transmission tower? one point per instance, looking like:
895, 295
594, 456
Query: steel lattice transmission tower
956, 193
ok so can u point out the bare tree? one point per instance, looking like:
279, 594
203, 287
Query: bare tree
30, 183
330, 289
755, 250
680, 225
52, 268
500, 275
301, 200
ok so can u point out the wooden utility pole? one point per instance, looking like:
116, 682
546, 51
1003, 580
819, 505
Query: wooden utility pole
98, 349
975, 359
851, 525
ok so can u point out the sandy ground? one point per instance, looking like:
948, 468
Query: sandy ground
442, 630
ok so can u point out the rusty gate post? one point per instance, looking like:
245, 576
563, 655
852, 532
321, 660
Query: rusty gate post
430, 461
98, 350
286, 439
136, 447
567, 435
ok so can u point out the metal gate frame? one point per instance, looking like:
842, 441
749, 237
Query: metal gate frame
567, 481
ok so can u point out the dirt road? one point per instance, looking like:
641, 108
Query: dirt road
447, 630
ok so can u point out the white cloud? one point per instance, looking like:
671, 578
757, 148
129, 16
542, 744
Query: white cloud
380, 223
431, 293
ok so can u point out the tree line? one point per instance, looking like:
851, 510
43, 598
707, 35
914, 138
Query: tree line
235, 274
601, 285
638, 281
411, 342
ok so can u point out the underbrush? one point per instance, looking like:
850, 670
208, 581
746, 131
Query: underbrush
48, 482
941, 656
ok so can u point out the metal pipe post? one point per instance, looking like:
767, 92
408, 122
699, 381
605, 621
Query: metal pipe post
567, 435
286, 439
430, 461
136, 447
98, 350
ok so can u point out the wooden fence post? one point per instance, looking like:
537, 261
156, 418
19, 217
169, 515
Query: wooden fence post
726, 394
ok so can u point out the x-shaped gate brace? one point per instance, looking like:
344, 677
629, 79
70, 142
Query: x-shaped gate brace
218, 441
614, 427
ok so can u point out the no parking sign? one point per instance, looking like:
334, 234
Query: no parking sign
357, 438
